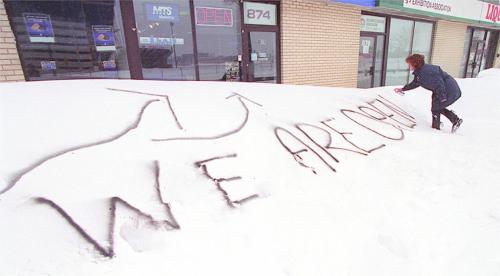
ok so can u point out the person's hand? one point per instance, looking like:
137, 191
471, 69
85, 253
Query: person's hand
399, 91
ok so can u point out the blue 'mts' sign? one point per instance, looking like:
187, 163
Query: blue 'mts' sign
365, 3
162, 12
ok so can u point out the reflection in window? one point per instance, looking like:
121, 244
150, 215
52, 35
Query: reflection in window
70, 39
218, 38
406, 37
422, 39
165, 39
263, 58
398, 50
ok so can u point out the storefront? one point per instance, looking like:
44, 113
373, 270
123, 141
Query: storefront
479, 51
385, 42
148, 39
346, 43
392, 30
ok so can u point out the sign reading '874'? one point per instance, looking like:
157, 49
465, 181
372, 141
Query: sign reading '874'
259, 13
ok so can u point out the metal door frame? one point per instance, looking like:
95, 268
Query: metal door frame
245, 39
478, 66
473, 29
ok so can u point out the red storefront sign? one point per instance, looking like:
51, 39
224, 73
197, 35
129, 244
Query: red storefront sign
208, 16
493, 13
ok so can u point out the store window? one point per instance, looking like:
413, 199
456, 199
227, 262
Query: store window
164, 32
398, 49
422, 37
406, 37
69, 39
218, 36
167, 39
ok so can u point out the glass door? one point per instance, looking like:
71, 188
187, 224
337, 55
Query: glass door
366, 64
371, 52
476, 53
260, 35
262, 56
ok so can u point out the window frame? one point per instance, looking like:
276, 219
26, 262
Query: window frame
387, 34
133, 44
10, 17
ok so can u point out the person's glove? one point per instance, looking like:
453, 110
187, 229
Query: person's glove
399, 91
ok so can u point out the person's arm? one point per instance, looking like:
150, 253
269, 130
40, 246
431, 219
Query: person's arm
412, 85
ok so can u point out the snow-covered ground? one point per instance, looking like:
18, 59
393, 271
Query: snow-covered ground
243, 179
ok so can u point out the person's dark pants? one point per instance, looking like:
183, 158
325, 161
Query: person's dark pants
440, 108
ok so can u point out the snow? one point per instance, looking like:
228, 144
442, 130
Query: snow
428, 204
492, 72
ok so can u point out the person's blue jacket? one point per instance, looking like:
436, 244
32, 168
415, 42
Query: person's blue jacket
445, 89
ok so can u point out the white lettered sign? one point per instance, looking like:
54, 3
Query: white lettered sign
372, 24
259, 13
466, 9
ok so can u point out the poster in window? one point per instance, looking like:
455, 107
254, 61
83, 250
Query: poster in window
232, 71
39, 27
365, 46
104, 39
159, 42
48, 65
109, 65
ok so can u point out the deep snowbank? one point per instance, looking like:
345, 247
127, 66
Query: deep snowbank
273, 180
489, 73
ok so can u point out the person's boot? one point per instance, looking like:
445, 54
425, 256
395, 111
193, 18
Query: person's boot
450, 115
455, 121
436, 121
456, 125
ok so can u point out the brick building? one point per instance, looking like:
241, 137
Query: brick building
10, 66
348, 43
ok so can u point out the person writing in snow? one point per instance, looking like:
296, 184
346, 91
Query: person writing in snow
445, 89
